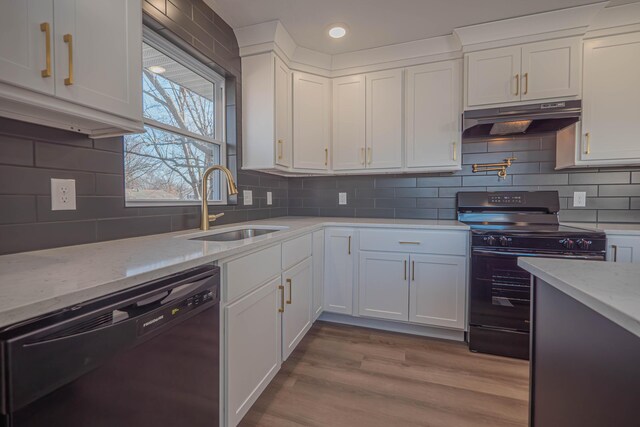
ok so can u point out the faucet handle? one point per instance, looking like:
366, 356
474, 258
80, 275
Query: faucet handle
216, 216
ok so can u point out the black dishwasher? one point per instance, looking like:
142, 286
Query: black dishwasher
147, 356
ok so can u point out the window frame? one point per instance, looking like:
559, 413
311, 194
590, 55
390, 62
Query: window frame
177, 54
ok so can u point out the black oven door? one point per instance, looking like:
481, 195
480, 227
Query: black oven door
500, 291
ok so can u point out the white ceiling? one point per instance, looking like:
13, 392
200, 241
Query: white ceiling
375, 23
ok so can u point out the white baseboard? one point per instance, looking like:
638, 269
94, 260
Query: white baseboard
386, 325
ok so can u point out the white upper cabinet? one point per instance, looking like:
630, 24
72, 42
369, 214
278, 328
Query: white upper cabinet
311, 121
535, 71
26, 50
384, 114
349, 145
611, 106
72, 64
283, 113
434, 108
551, 69
493, 76
98, 54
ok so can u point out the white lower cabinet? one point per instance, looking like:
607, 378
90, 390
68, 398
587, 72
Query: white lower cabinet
297, 317
623, 248
253, 334
339, 268
383, 289
437, 290
318, 273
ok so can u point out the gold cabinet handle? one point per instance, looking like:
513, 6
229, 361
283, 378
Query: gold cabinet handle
326, 157
455, 151
405, 269
68, 39
281, 308
413, 271
279, 149
517, 84
349, 246
408, 243
363, 156
587, 140
46, 28
526, 83
614, 248
289, 282
369, 155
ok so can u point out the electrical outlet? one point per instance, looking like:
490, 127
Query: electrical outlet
247, 197
342, 198
579, 199
269, 198
63, 194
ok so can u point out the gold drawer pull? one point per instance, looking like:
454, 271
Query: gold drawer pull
349, 248
281, 308
405, 269
526, 83
279, 149
413, 271
455, 151
409, 243
614, 249
289, 281
517, 84
46, 28
326, 156
69, 40
587, 140
369, 155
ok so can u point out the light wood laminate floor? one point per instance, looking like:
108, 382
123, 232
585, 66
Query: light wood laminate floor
349, 376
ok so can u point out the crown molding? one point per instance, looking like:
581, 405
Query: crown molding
591, 20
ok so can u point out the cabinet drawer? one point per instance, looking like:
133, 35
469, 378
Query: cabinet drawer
295, 251
432, 241
248, 272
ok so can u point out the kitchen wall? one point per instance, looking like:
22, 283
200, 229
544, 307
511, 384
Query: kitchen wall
31, 155
613, 194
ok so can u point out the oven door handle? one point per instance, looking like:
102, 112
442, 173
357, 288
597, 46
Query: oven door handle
523, 254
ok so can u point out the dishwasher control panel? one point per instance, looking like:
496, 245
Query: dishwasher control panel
171, 312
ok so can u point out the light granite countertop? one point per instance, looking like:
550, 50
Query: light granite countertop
39, 282
617, 229
611, 289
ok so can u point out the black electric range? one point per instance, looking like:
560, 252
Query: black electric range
504, 227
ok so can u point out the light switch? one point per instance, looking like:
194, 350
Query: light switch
247, 197
269, 198
63, 194
342, 198
579, 199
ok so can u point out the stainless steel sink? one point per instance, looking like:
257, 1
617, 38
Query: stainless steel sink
233, 235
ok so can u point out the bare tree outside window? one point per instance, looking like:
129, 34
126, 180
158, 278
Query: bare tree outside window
166, 163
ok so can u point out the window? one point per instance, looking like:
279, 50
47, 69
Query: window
183, 109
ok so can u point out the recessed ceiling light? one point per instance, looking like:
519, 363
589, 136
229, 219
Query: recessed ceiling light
156, 69
337, 31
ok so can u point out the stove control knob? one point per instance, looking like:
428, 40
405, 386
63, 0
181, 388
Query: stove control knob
505, 241
490, 240
568, 243
584, 244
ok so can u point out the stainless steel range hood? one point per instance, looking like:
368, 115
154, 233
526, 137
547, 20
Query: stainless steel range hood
521, 120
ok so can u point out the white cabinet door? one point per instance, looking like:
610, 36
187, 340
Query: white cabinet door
493, 76
311, 121
384, 119
348, 123
252, 351
610, 107
437, 290
551, 69
433, 115
98, 46
623, 248
23, 44
382, 285
297, 318
283, 113
318, 273
338, 270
